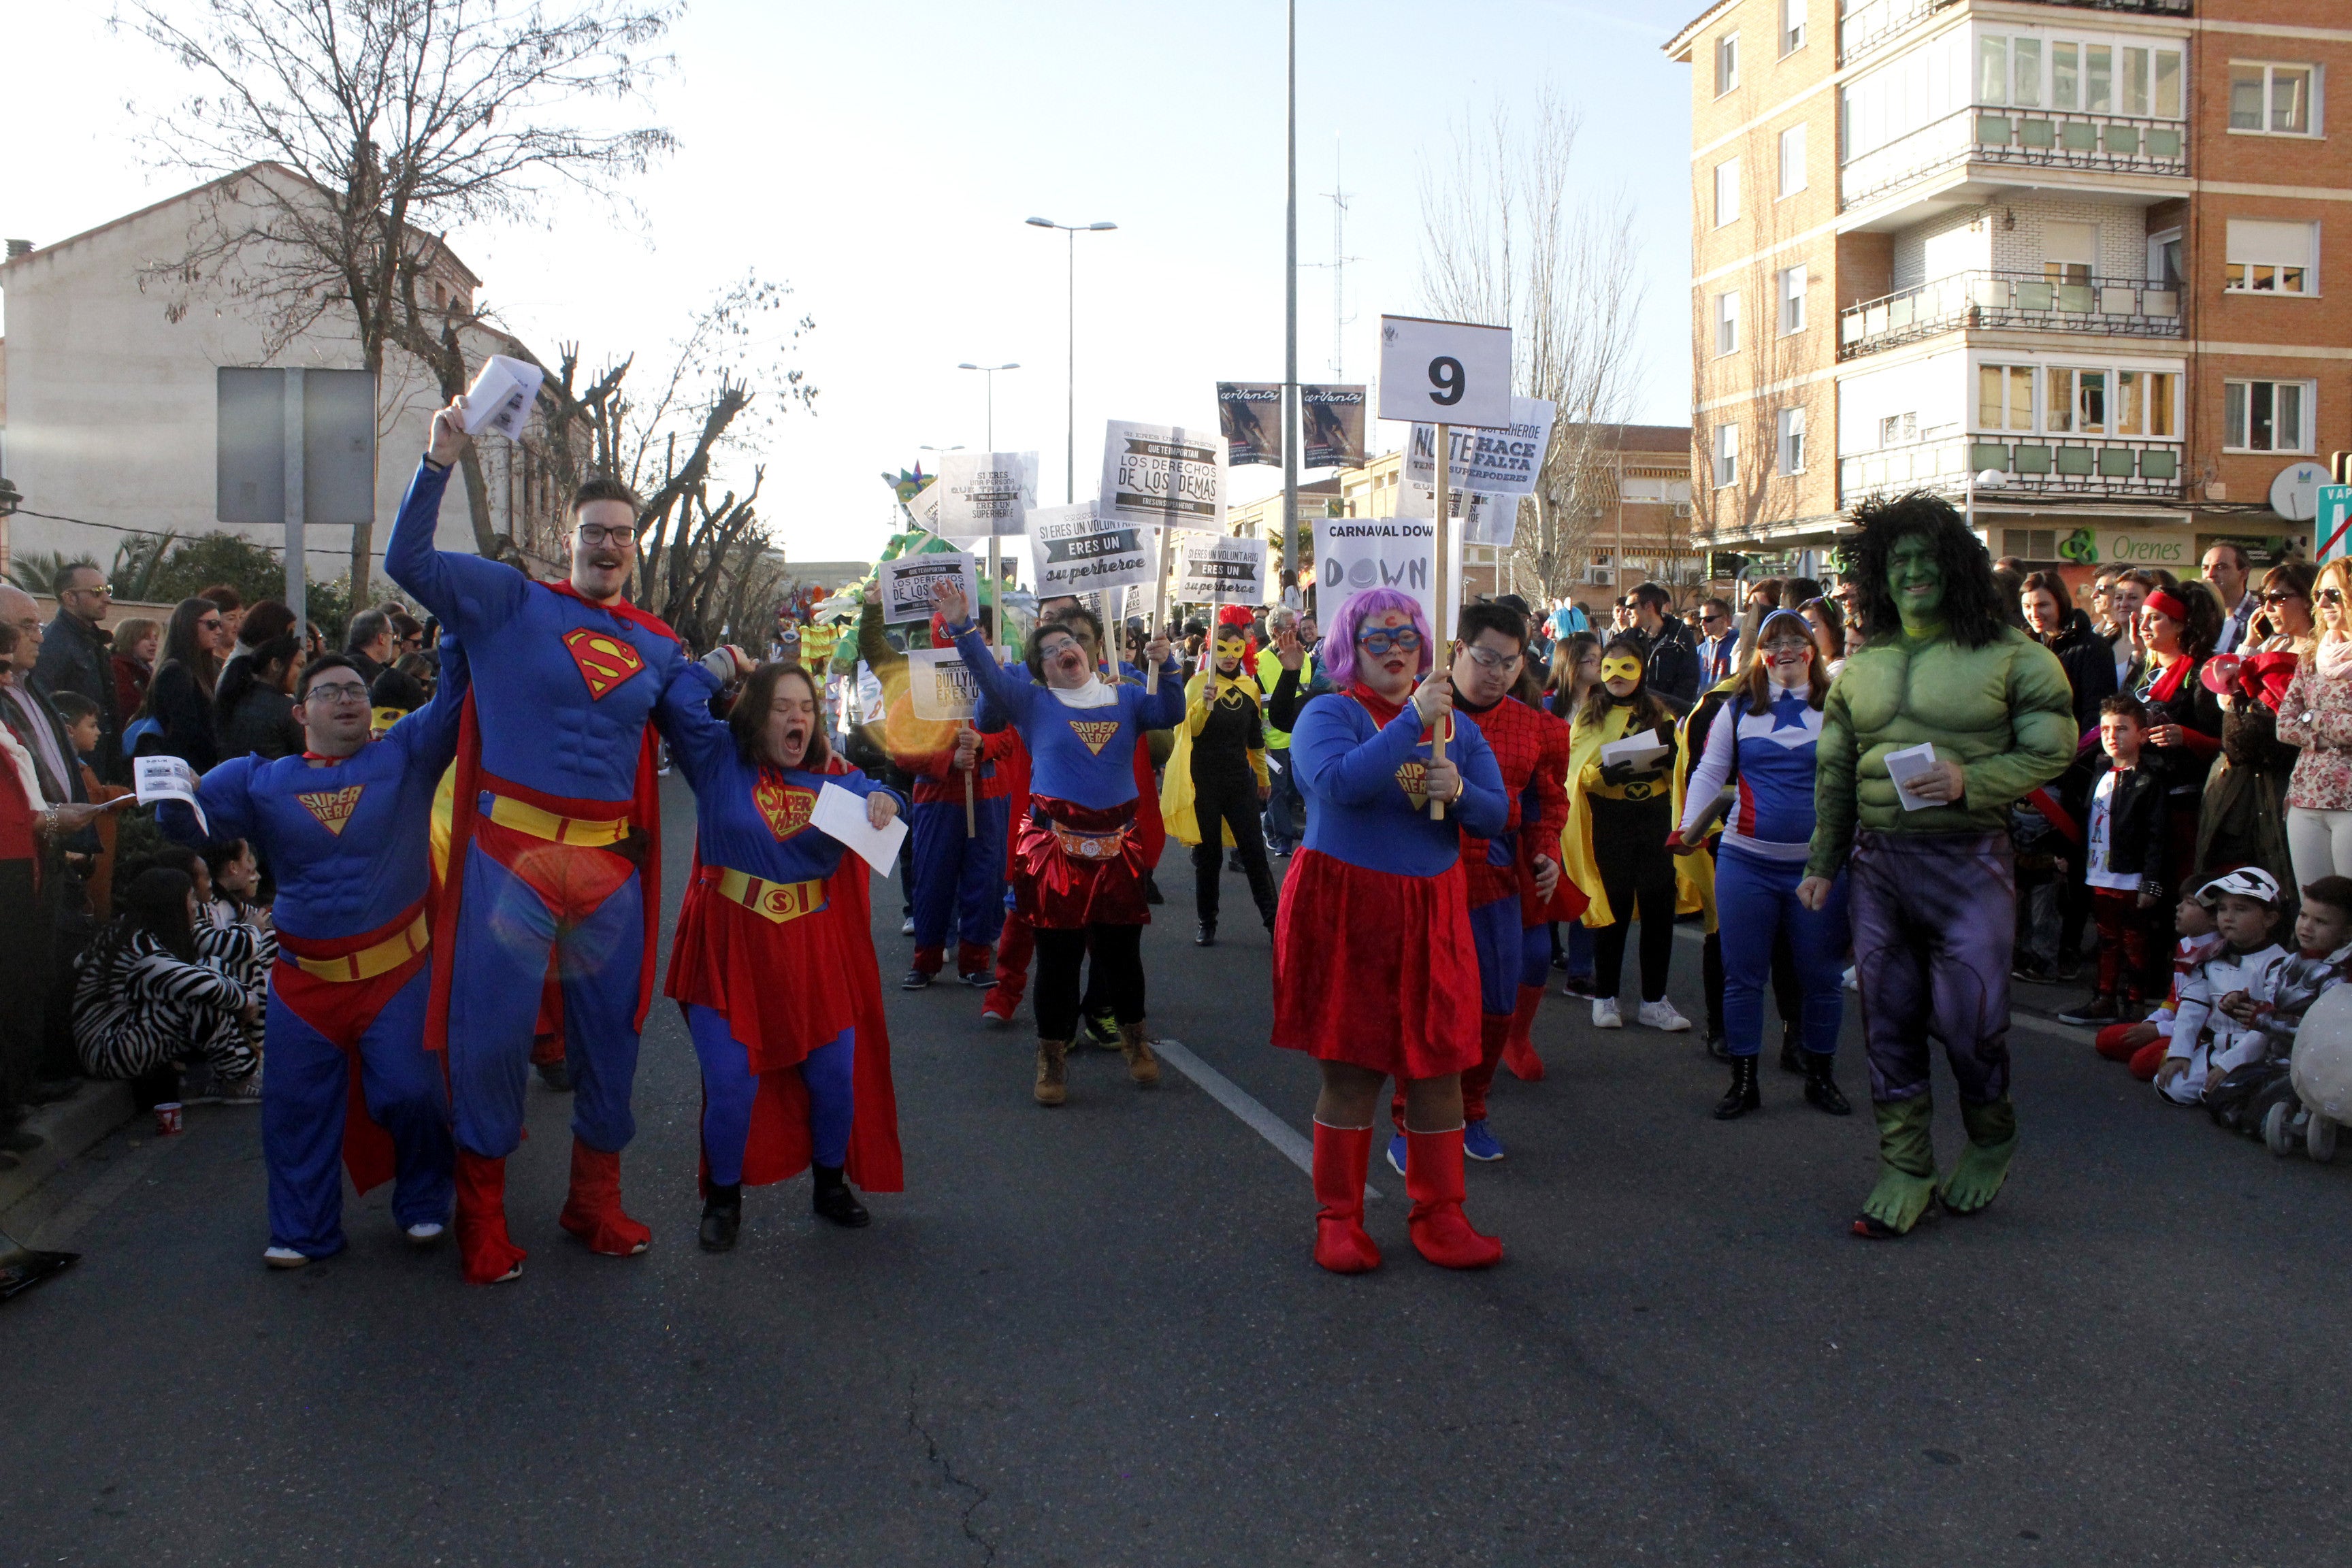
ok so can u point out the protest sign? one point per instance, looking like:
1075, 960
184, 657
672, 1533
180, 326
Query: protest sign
905, 583
939, 685
502, 396
1484, 519
1333, 420
1357, 552
1456, 373
168, 778
1164, 474
1249, 417
980, 495
1505, 462
1073, 549
1211, 570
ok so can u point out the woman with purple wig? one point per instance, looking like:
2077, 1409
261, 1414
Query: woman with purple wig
1375, 970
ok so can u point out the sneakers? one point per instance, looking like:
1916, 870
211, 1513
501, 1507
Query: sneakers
1605, 1014
2099, 1009
245, 1091
1102, 1030
978, 979
996, 1013
1577, 986
1396, 1153
283, 1257
916, 981
424, 1233
1661, 1014
907, 926
1479, 1143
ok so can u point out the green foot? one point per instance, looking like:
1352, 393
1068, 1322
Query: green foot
1983, 1165
1906, 1164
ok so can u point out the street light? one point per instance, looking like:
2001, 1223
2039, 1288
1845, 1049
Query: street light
990, 371
1986, 479
1070, 339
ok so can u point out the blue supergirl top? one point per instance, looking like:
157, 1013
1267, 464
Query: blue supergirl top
1361, 778
1083, 755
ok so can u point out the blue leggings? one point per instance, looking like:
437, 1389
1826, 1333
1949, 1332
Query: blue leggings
729, 1089
1754, 900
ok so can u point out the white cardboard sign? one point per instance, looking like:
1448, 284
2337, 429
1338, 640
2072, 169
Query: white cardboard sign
1457, 373
1164, 474
1484, 519
982, 494
502, 396
1212, 570
1492, 462
1352, 554
905, 583
940, 685
1075, 549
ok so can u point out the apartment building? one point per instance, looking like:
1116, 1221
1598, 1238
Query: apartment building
2085, 266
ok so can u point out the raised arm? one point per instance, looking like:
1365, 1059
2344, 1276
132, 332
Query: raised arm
700, 742
1002, 693
468, 592
429, 735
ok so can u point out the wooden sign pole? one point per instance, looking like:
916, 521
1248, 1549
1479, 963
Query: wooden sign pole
1439, 650
1159, 615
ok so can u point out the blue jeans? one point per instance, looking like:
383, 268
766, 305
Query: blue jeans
1756, 899
1284, 806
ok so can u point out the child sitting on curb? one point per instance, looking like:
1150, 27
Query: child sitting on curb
2142, 1044
2206, 1042
2276, 999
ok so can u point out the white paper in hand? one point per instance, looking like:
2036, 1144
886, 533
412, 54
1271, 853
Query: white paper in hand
1638, 750
1907, 766
502, 396
840, 815
168, 778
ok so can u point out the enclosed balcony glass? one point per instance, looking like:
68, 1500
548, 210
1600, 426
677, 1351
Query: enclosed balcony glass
2043, 466
2113, 307
1867, 27
2022, 138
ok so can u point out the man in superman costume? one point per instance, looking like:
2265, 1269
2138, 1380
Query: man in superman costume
555, 845
343, 828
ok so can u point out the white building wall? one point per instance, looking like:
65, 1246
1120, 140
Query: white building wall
2123, 234
1923, 400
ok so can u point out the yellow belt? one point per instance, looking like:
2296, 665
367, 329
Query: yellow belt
369, 961
777, 902
523, 817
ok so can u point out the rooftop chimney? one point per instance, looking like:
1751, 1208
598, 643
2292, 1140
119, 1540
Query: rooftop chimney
17, 247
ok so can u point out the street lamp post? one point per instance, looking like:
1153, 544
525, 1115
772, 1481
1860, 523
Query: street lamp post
1070, 341
990, 371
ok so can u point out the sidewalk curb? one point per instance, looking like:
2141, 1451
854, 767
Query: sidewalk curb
67, 1128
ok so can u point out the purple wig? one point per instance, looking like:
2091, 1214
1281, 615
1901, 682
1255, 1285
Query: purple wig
1338, 646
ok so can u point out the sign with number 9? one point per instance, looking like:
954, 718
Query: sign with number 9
1451, 373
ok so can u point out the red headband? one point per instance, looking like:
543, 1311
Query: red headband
2164, 604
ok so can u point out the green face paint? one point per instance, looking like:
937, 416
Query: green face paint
1915, 579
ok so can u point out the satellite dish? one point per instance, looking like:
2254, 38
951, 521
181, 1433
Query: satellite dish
2294, 494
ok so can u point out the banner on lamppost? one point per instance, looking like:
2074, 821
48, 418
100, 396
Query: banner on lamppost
1333, 418
1249, 417
1164, 474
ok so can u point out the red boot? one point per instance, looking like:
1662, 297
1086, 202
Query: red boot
1432, 1176
592, 1210
489, 1254
1343, 1155
1519, 1049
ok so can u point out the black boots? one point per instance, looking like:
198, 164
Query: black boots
1207, 936
1821, 1089
1742, 1097
1792, 1057
836, 1202
722, 1216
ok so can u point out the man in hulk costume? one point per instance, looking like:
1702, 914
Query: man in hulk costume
1933, 893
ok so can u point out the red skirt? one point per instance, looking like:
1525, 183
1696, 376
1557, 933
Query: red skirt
1076, 866
783, 988
1376, 969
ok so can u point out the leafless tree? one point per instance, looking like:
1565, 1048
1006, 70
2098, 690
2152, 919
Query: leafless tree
1512, 234
388, 122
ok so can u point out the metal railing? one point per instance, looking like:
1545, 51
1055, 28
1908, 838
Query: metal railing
1868, 26
2039, 466
2113, 307
2035, 138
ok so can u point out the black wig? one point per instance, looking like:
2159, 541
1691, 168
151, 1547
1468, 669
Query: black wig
1972, 610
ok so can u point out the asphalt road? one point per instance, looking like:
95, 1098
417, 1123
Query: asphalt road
1095, 1336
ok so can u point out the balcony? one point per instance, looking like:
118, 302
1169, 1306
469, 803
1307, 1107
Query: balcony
1869, 26
2043, 468
2111, 307
2028, 139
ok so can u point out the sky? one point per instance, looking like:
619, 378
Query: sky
881, 158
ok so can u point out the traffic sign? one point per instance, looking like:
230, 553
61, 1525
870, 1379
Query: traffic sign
1446, 373
2332, 529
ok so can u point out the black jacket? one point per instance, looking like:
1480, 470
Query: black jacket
180, 707
1671, 668
2089, 662
263, 725
78, 657
2136, 814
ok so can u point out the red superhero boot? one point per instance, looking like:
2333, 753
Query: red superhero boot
1519, 1049
1433, 1177
592, 1210
1343, 1155
489, 1254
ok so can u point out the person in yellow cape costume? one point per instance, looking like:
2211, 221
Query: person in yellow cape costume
1218, 773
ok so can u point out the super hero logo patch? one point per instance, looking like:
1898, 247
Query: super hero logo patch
787, 809
1412, 776
332, 807
1096, 733
604, 660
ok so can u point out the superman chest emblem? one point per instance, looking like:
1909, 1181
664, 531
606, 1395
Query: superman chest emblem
604, 660
785, 808
332, 807
1412, 777
1096, 733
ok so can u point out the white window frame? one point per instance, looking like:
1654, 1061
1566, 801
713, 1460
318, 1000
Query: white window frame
1726, 457
1726, 323
2156, 243
1726, 63
2240, 389
2316, 109
1792, 170
2249, 281
1789, 286
1727, 193
1789, 440
1792, 27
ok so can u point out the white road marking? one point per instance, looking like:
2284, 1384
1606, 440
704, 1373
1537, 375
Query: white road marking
1294, 1146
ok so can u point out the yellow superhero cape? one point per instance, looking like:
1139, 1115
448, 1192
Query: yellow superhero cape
1576, 858
1695, 873
1176, 782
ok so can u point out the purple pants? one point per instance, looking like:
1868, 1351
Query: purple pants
1935, 915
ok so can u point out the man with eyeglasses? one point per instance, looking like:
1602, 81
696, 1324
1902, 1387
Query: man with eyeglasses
554, 846
345, 829
76, 655
1719, 645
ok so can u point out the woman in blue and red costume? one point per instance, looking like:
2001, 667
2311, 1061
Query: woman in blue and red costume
344, 827
1078, 866
773, 962
555, 846
1375, 969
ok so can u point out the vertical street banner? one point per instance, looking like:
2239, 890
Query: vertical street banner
1211, 570
982, 494
1249, 417
1163, 475
1333, 418
905, 583
1501, 462
939, 685
1352, 554
1076, 550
